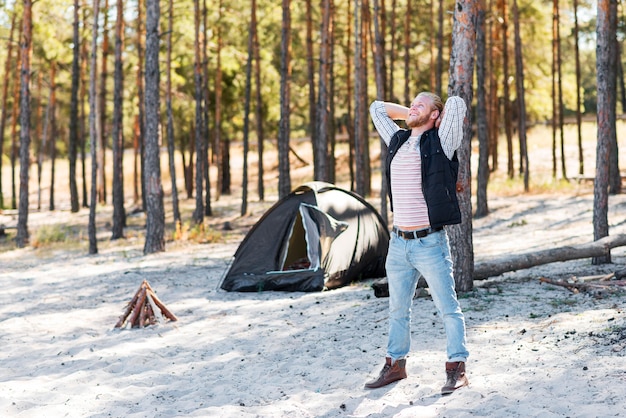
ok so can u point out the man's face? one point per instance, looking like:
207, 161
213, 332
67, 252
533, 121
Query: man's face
420, 112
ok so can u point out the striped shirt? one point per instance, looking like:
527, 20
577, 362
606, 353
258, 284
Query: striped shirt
406, 169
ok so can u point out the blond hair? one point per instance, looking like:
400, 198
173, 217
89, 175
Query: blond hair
437, 102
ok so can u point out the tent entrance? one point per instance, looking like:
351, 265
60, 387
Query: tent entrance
302, 249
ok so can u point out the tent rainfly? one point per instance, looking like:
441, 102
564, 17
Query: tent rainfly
317, 237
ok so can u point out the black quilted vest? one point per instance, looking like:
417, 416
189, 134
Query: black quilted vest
439, 175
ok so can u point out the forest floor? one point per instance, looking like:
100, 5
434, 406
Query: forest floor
535, 349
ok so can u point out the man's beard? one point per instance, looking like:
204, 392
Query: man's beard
418, 121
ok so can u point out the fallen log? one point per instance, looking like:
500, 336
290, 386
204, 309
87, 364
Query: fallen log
599, 248
577, 287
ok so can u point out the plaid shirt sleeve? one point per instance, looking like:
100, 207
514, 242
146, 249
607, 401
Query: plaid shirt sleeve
451, 128
385, 126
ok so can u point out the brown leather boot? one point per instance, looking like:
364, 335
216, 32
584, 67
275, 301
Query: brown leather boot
455, 372
389, 374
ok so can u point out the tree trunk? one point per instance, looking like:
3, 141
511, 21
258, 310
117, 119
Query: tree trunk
102, 111
117, 134
205, 125
198, 214
53, 146
46, 130
606, 121
93, 129
82, 124
246, 112
258, 111
284, 181
508, 127
155, 216
560, 87
218, 145
615, 178
392, 53
311, 82
141, 118
320, 161
73, 122
460, 84
513, 262
407, 54
15, 116
555, 108
494, 101
521, 97
21, 238
482, 124
439, 64
170, 115
379, 67
581, 159
5, 89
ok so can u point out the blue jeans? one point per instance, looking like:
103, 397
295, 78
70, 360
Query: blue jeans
430, 257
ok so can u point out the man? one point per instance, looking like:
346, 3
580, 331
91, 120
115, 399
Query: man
422, 171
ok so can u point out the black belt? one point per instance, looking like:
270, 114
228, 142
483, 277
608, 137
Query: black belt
415, 234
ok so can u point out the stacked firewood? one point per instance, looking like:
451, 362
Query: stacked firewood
597, 285
145, 309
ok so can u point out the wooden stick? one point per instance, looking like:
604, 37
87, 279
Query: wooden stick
140, 301
161, 306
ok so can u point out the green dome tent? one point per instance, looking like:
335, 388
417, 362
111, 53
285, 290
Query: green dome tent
317, 237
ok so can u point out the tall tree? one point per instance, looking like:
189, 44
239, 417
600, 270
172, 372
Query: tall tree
508, 122
83, 93
155, 215
258, 108
140, 131
560, 84
521, 99
581, 159
380, 95
439, 63
198, 214
460, 84
284, 180
408, 46
605, 36
482, 124
320, 163
117, 131
219, 143
93, 129
102, 107
311, 79
246, 111
46, 129
5, 89
26, 40
615, 178
361, 120
205, 120
170, 114
15, 115
73, 140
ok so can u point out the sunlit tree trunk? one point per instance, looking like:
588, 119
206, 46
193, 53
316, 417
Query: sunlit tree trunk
482, 178
102, 111
321, 114
521, 97
170, 115
460, 84
73, 122
82, 101
615, 178
198, 214
205, 108
246, 112
439, 62
21, 238
5, 89
581, 159
508, 123
155, 214
15, 116
560, 85
93, 130
258, 111
117, 134
379, 69
311, 80
605, 36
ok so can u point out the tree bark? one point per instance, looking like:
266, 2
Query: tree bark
117, 132
246, 112
5, 89
170, 115
155, 216
606, 121
320, 162
21, 238
460, 84
379, 71
506, 263
581, 160
198, 214
102, 108
258, 112
73, 140
521, 98
284, 181
482, 178
93, 129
